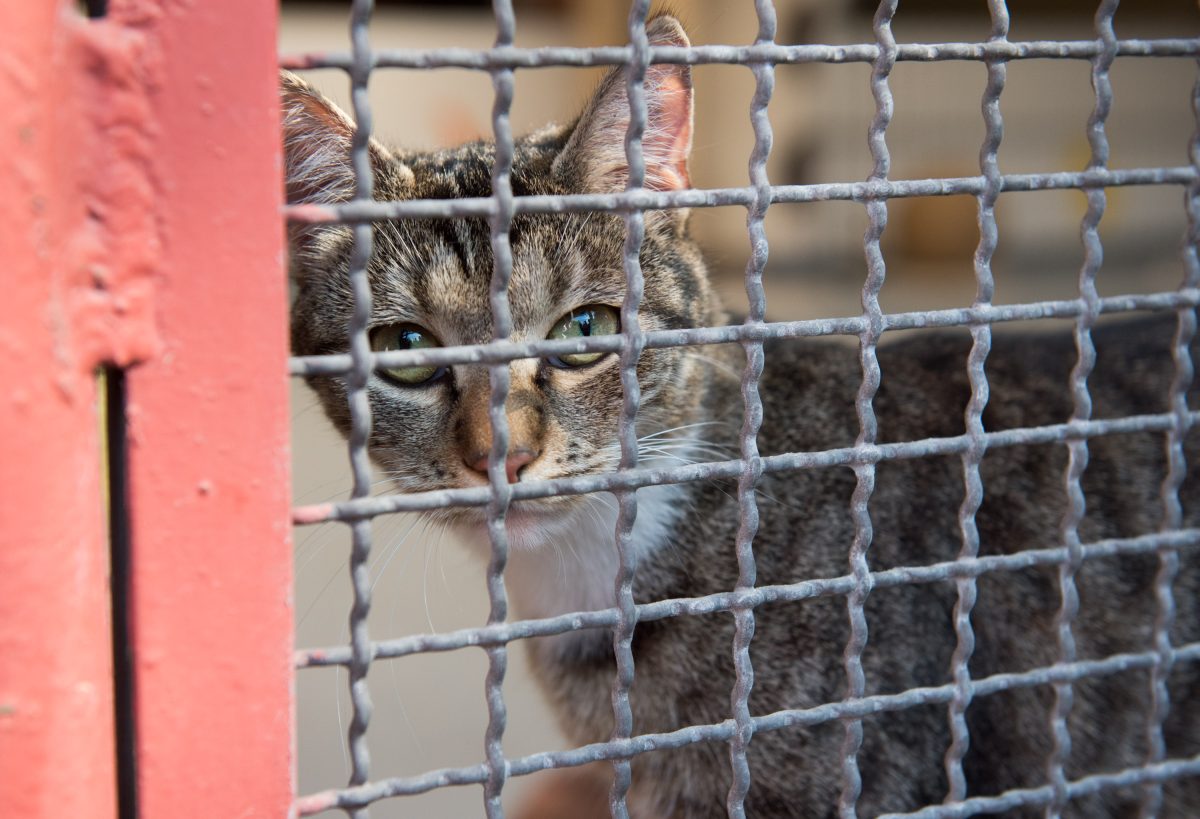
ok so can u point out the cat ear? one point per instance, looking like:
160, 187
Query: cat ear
316, 146
595, 153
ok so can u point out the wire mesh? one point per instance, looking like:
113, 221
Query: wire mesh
863, 457
981, 342
360, 405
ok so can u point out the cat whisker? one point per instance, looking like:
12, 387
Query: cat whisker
412, 729
394, 548
684, 440
604, 499
758, 492
562, 563
594, 500
696, 425
591, 501
719, 366
395, 599
437, 548
721, 453
338, 688
300, 412
311, 537
572, 238
669, 457
311, 496
697, 446
425, 587
337, 571
383, 477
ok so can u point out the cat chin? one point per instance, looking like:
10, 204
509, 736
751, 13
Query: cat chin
562, 552
536, 526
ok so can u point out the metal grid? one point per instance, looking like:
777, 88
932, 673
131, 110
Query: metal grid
859, 581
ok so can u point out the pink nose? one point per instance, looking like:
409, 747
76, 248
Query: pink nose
516, 461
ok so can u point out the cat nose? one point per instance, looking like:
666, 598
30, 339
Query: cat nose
517, 460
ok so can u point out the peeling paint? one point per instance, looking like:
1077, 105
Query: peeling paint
55, 651
115, 250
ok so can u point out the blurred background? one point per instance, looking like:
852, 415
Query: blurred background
430, 709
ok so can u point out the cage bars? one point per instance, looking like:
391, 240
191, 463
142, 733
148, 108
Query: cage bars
1172, 514
351, 213
142, 177
806, 717
1077, 449
864, 472
764, 87
863, 457
717, 197
632, 344
334, 364
981, 343
500, 493
842, 456
731, 601
774, 53
359, 402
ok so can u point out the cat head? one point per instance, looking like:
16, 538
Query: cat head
430, 282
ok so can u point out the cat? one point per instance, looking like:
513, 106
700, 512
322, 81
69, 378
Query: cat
430, 285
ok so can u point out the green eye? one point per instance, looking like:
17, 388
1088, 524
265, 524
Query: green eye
590, 320
406, 337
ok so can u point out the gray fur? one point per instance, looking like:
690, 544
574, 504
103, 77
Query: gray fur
436, 274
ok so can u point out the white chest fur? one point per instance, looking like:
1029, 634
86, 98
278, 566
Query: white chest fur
569, 564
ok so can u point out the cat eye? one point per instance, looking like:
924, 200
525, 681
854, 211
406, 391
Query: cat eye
582, 322
406, 337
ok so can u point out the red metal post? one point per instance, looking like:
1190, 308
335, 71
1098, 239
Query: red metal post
139, 155
209, 466
56, 706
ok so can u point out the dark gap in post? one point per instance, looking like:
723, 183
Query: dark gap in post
96, 9
116, 460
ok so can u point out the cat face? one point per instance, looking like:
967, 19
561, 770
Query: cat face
430, 281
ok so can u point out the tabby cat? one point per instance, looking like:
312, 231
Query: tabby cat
430, 284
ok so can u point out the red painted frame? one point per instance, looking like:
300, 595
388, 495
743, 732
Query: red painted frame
139, 156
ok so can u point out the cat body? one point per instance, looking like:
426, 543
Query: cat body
684, 666
430, 283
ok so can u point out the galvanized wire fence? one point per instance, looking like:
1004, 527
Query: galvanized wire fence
859, 581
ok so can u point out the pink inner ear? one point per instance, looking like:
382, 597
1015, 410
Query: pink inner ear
668, 138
